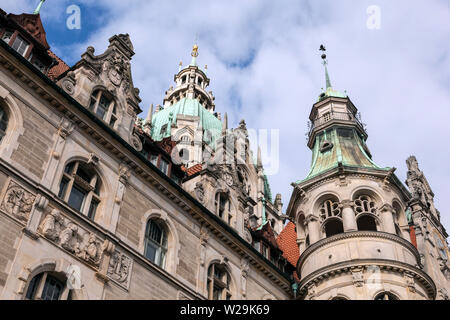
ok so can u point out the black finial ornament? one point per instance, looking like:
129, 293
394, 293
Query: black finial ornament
322, 48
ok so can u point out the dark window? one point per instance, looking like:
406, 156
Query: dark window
155, 243
20, 45
218, 283
80, 188
3, 122
366, 223
333, 227
164, 166
386, 296
45, 286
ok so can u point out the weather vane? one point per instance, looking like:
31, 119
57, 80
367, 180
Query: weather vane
324, 56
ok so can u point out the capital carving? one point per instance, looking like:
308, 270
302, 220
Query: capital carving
386, 207
346, 204
311, 218
65, 128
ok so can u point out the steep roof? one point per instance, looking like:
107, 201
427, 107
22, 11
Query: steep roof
346, 148
287, 242
59, 68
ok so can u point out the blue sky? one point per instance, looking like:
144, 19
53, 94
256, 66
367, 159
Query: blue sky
265, 67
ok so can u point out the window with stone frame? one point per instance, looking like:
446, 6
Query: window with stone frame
155, 243
48, 286
20, 45
80, 188
329, 209
3, 122
104, 107
223, 206
365, 204
219, 282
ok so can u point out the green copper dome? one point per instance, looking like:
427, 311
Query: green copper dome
163, 120
339, 145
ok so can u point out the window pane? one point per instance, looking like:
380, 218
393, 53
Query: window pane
103, 106
150, 251
20, 45
76, 198
92, 209
62, 188
154, 159
32, 287
164, 166
52, 289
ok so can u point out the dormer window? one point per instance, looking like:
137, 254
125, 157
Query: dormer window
103, 107
20, 45
200, 81
7, 36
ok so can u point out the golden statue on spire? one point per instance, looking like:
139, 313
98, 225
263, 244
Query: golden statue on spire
195, 51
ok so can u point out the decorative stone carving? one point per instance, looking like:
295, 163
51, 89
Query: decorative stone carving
311, 291
136, 143
228, 178
418, 184
119, 268
65, 128
245, 270
48, 225
124, 173
18, 202
93, 159
442, 294
199, 192
410, 283
358, 277
72, 238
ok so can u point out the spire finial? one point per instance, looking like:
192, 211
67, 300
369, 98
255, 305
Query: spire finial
194, 55
180, 65
325, 63
38, 9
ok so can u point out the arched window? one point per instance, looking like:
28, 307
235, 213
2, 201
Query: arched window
329, 209
80, 188
366, 223
3, 122
386, 296
333, 227
223, 206
219, 282
104, 107
155, 243
365, 204
48, 286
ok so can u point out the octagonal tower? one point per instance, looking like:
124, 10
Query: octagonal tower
352, 230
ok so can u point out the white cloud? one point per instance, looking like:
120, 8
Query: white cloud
265, 55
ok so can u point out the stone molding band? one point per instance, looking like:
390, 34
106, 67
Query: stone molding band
383, 264
356, 234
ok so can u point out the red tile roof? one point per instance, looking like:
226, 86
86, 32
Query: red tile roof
58, 69
193, 170
287, 242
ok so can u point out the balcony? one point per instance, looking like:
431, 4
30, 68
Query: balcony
331, 116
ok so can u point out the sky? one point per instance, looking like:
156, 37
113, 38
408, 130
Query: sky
392, 58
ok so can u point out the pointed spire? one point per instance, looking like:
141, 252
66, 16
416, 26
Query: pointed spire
38, 9
259, 159
225, 123
194, 55
149, 115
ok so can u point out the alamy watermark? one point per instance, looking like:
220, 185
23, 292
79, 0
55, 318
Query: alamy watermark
374, 17
74, 19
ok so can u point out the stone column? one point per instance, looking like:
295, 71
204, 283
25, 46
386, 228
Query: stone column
64, 130
312, 223
348, 216
387, 218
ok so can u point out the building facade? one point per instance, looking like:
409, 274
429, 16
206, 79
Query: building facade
97, 203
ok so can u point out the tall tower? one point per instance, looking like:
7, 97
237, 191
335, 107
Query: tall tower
352, 229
